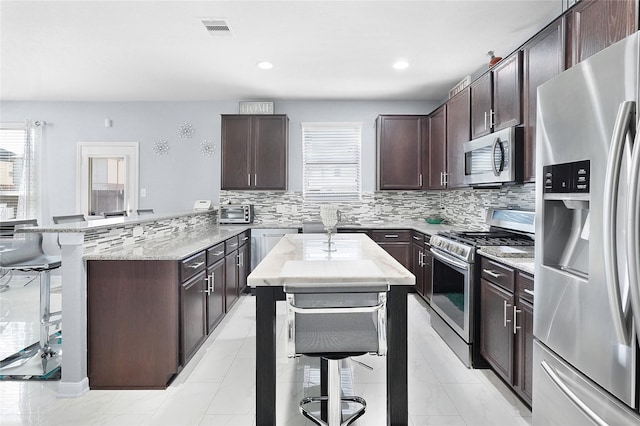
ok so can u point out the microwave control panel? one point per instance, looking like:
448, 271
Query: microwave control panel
567, 177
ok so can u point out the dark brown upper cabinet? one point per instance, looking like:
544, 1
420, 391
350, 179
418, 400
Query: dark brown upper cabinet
593, 25
458, 132
437, 171
401, 143
496, 97
254, 152
543, 59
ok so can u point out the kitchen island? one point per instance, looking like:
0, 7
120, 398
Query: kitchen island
302, 258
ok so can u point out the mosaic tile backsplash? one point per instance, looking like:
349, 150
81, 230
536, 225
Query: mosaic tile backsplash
466, 207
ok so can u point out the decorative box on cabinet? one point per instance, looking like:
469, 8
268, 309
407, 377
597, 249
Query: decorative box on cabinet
401, 144
254, 152
506, 324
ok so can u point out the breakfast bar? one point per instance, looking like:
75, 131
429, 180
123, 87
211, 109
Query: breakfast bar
305, 258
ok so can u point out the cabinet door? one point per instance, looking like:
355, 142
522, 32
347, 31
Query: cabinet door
507, 89
481, 103
458, 132
192, 303
428, 273
417, 266
400, 143
270, 140
215, 295
437, 148
524, 351
400, 252
595, 25
236, 144
543, 59
243, 267
496, 335
231, 279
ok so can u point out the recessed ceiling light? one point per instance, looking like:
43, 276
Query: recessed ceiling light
401, 65
264, 65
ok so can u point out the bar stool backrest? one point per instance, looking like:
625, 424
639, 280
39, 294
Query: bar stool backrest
69, 219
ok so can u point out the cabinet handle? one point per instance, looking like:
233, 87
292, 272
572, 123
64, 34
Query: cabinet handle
240, 260
492, 118
446, 178
420, 179
218, 253
416, 238
196, 265
245, 238
441, 178
504, 313
255, 179
210, 280
233, 245
391, 235
516, 311
420, 257
529, 292
491, 273
248, 179
485, 120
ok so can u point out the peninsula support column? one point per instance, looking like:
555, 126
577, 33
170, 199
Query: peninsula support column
74, 381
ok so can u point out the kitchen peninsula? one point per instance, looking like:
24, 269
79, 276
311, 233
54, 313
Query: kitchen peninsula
302, 258
145, 241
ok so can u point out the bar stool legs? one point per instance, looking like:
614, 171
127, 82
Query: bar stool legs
333, 400
47, 319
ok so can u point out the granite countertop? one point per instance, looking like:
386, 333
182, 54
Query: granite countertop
170, 247
96, 224
516, 257
302, 258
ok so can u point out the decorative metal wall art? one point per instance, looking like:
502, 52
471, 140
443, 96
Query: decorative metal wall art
161, 147
207, 148
186, 130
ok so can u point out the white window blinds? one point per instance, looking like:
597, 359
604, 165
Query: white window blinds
18, 177
331, 161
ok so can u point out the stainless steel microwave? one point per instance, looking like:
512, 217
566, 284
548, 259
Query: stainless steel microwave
242, 213
495, 158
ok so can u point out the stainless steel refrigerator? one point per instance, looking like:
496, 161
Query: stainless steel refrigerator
587, 288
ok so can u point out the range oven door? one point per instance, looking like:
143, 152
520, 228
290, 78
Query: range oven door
452, 298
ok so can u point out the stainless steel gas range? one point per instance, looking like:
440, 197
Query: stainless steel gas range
455, 287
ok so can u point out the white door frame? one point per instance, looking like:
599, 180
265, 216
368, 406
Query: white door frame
86, 150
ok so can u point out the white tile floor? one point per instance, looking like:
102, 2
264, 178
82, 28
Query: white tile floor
217, 387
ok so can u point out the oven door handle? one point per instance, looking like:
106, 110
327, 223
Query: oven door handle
449, 260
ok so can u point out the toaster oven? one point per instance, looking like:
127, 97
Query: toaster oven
230, 213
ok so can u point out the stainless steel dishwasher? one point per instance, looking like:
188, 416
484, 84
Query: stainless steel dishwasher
263, 240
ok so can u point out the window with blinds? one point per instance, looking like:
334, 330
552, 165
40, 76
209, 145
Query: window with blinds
331, 161
16, 176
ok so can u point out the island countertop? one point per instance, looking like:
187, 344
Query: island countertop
304, 258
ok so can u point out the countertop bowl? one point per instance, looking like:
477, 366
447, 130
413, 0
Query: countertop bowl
434, 220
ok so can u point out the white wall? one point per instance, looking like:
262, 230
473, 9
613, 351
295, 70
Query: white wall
174, 181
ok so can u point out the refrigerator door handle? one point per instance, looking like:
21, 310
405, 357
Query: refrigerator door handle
555, 378
612, 182
633, 227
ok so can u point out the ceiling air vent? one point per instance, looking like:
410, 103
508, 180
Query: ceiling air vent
217, 27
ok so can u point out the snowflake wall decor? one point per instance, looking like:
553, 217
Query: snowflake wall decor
161, 147
186, 130
207, 148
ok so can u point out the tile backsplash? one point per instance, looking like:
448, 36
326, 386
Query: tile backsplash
465, 207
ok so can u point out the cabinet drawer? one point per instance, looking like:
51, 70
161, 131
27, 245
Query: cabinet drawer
243, 238
231, 244
524, 284
498, 274
417, 237
191, 266
215, 254
391, 236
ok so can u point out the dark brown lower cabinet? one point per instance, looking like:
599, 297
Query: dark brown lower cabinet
193, 319
506, 324
396, 242
417, 263
147, 318
132, 323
